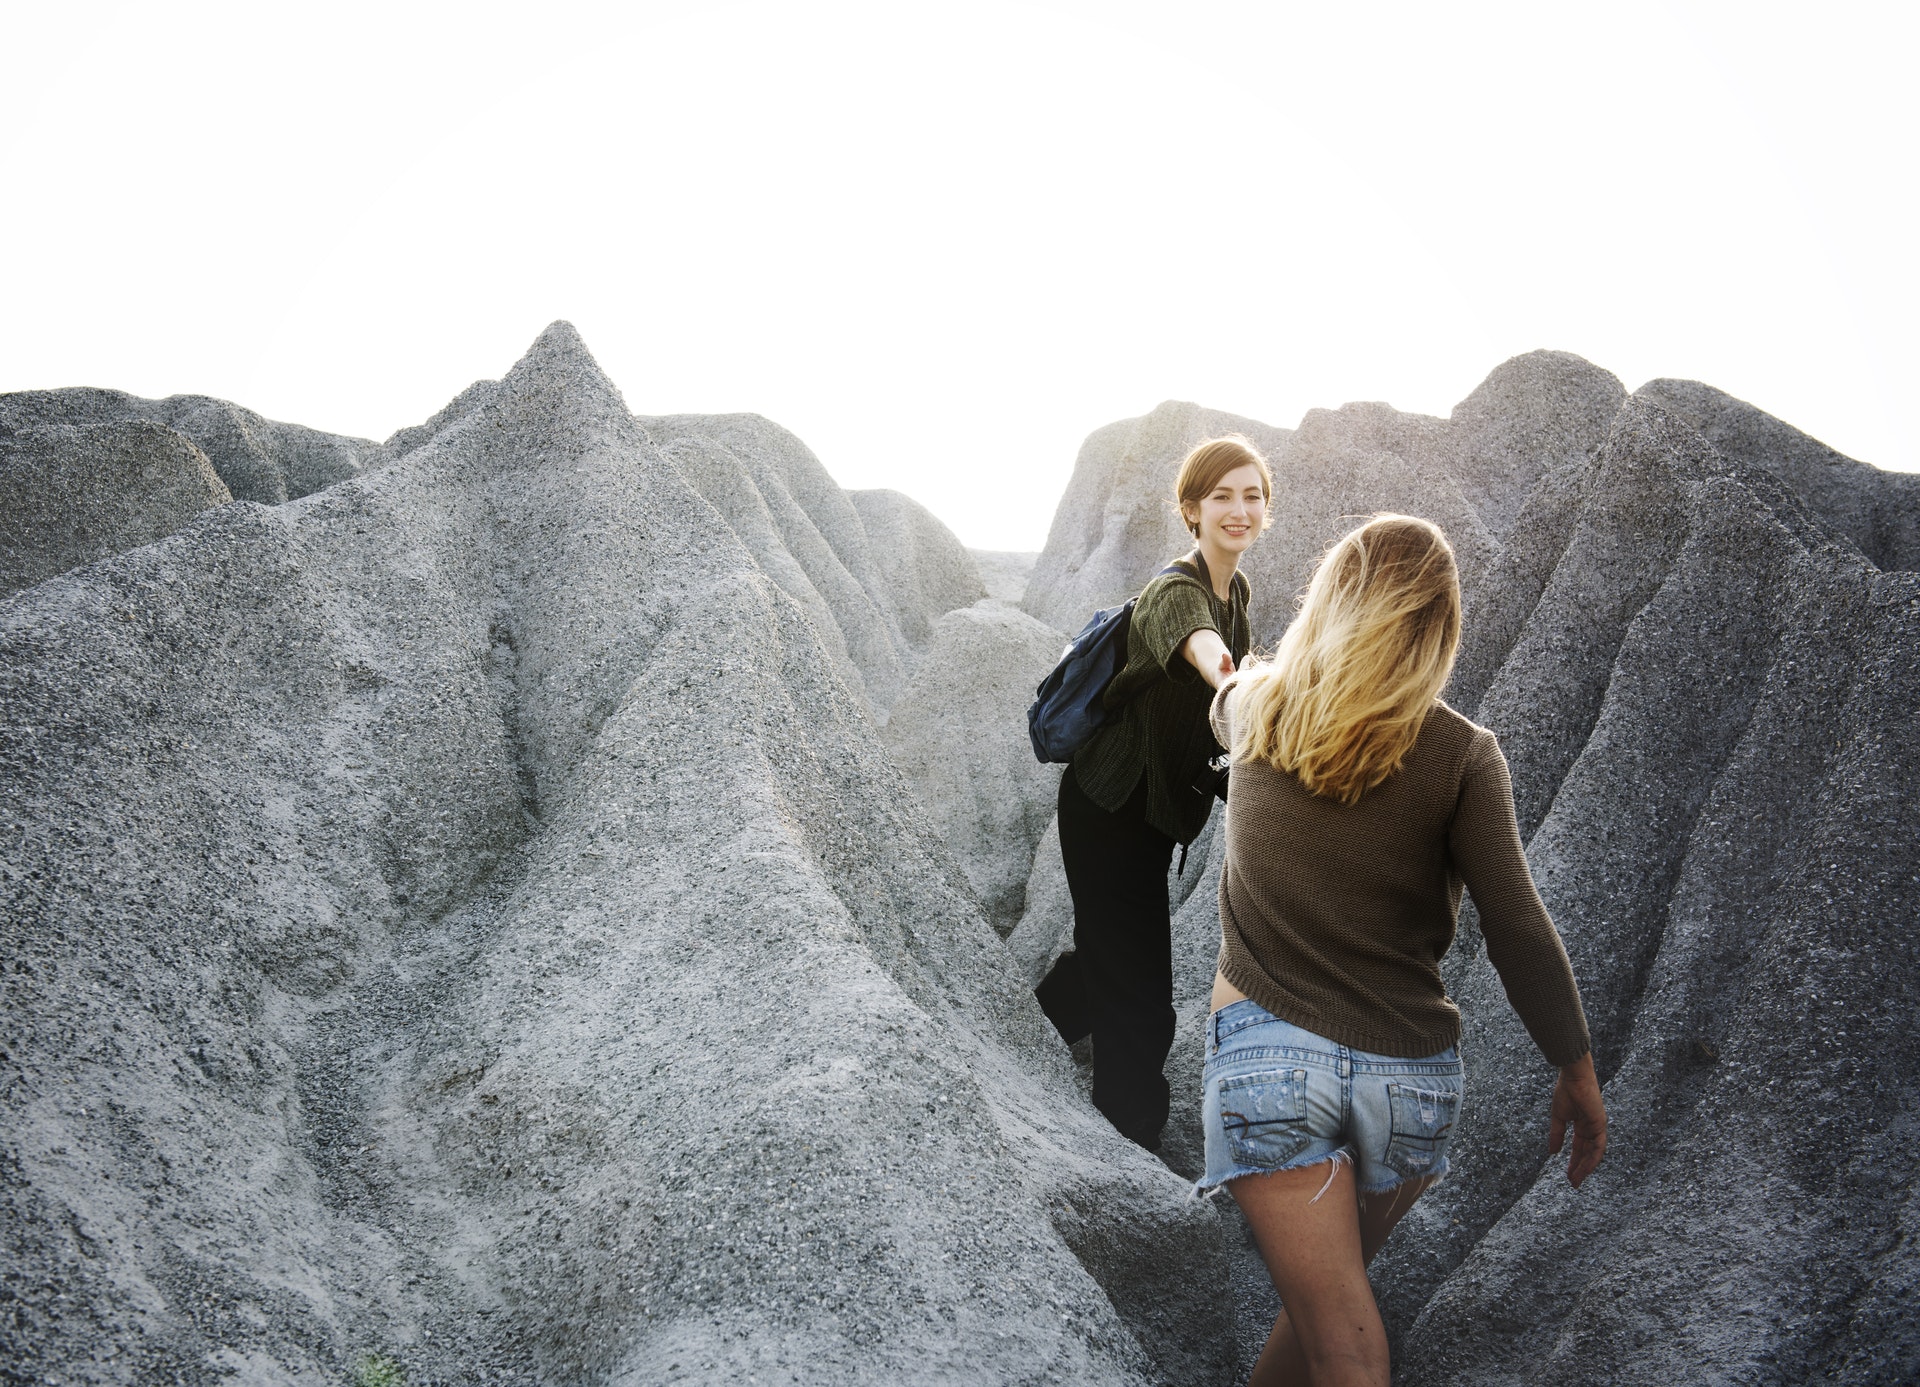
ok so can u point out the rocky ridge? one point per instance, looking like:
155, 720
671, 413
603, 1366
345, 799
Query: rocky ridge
467, 920
256, 459
527, 910
77, 493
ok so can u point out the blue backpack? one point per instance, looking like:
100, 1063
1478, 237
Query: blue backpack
1070, 704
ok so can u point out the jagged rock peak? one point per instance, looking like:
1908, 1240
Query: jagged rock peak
555, 385
558, 363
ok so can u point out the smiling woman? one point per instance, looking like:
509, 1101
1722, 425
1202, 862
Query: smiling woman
1144, 782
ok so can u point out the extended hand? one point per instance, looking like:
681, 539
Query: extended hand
1576, 1100
1206, 652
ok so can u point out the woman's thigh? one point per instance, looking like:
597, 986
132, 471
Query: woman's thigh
1308, 1229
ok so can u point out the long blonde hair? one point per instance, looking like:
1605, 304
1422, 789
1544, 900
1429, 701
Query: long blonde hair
1346, 692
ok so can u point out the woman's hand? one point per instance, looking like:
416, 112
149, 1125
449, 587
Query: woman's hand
1576, 1100
1206, 652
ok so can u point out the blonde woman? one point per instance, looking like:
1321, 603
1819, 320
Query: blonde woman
1360, 805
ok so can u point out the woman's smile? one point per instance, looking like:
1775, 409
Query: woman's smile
1232, 515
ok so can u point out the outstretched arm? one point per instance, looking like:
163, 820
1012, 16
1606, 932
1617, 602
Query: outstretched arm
1206, 652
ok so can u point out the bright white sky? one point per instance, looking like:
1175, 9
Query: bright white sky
942, 244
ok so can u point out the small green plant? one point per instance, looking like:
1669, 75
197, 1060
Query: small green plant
378, 1370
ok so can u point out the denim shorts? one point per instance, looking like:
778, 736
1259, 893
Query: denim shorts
1279, 1097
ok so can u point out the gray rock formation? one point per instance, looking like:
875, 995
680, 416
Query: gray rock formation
257, 459
466, 918
1707, 691
70, 495
927, 571
1878, 511
775, 498
959, 736
1004, 571
525, 912
1714, 700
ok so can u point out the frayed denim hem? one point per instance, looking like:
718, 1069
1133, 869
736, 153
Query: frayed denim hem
1432, 1177
1209, 1185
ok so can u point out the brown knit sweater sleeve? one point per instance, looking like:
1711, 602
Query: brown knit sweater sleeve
1522, 944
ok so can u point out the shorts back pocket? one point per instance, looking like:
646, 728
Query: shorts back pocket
1265, 1116
1423, 1121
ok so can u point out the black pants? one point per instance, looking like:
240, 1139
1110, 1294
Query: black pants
1117, 984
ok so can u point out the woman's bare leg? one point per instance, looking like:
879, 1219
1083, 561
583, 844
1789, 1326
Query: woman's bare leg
1324, 1245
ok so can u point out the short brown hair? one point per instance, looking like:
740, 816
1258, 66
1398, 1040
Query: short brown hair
1206, 464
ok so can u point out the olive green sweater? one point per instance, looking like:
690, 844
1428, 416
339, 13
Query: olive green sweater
1162, 731
1335, 917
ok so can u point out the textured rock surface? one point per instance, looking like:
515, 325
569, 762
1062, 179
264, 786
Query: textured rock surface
1710, 702
1004, 571
257, 459
1715, 702
70, 495
927, 571
526, 910
468, 915
959, 735
1878, 511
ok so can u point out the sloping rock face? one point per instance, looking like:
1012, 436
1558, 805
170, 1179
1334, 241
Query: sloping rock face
257, 459
467, 917
926, 569
960, 737
1715, 700
1878, 511
76, 494
1004, 571
1708, 695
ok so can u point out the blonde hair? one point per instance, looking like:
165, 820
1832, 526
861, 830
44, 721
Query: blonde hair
1346, 692
1206, 463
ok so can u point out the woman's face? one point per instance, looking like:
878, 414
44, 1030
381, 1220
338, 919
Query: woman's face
1232, 515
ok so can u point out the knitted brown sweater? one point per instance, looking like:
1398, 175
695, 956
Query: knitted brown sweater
1335, 917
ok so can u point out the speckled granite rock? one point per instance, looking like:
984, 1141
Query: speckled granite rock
1879, 511
70, 495
926, 570
1004, 571
959, 735
1716, 705
257, 459
468, 916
